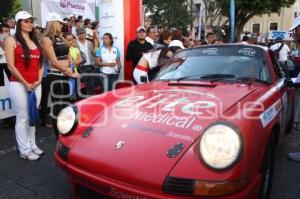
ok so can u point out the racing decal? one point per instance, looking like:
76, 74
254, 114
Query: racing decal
165, 119
161, 132
210, 51
247, 52
167, 108
119, 194
267, 116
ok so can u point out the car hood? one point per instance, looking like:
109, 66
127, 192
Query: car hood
140, 137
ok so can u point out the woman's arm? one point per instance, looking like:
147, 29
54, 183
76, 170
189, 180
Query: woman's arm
119, 63
101, 64
41, 74
10, 45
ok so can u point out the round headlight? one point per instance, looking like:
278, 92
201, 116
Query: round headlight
66, 120
220, 146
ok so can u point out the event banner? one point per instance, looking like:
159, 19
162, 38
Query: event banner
287, 36
6, 106
111, 16
64, 8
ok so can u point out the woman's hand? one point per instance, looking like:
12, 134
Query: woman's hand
75, 75
68, 72
28, 87
36, 84
111, 64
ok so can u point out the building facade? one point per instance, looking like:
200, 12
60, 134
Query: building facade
263, 25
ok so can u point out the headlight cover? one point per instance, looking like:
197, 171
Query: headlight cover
67, 119
220, 146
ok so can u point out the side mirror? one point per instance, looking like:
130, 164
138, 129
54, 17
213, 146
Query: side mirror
288, 82
293, 82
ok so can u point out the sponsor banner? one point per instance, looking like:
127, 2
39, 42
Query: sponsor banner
64, 8
111, 16
6, 106
280, 34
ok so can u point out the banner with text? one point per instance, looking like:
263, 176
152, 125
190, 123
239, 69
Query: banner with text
6, 106
111, 16
64, 8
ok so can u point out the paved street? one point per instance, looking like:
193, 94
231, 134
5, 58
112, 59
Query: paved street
43, 179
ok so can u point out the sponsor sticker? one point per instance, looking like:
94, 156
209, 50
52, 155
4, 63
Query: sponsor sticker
210, 51
247, 52
267, 116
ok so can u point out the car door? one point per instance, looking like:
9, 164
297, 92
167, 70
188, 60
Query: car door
284, 92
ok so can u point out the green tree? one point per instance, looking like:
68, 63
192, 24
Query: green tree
9, 8
245, 10
169, 13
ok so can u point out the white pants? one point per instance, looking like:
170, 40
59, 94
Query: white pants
25, 134
137, 74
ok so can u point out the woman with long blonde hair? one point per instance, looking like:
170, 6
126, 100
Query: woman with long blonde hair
56, 51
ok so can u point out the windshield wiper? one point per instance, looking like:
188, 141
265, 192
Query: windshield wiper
248, 79
208, 77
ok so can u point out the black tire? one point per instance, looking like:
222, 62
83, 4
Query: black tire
267, 170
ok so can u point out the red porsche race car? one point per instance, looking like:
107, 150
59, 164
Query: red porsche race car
207, 126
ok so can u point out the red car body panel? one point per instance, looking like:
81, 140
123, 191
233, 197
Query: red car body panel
152, 118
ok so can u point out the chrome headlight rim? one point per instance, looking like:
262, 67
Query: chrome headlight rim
239, 155
75, 110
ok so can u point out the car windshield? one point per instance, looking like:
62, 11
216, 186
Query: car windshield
217, 63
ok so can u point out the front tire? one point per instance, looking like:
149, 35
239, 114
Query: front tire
267, 170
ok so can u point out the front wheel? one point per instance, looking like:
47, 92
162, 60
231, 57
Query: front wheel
267, 172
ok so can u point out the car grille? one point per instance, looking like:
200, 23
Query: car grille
85, 193
178, 186
63, 152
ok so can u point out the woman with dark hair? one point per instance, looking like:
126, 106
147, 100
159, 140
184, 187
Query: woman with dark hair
24, 60
57, 51
108, 58
96, 40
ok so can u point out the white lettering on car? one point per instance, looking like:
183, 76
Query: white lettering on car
267, 116
247, 52
168, 103
210, 51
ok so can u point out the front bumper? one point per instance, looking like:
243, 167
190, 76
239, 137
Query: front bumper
87, 185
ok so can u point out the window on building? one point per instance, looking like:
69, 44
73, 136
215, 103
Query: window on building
256, 28
295, 14
273, 26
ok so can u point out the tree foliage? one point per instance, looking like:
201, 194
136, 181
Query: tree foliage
245, 10
169, 13
9, 8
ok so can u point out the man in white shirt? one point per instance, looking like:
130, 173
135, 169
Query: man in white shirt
283, 53
152, 35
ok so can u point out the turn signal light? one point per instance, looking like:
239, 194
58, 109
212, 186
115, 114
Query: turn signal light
206, 188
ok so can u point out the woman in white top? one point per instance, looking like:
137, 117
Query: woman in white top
108, 58
154, 59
